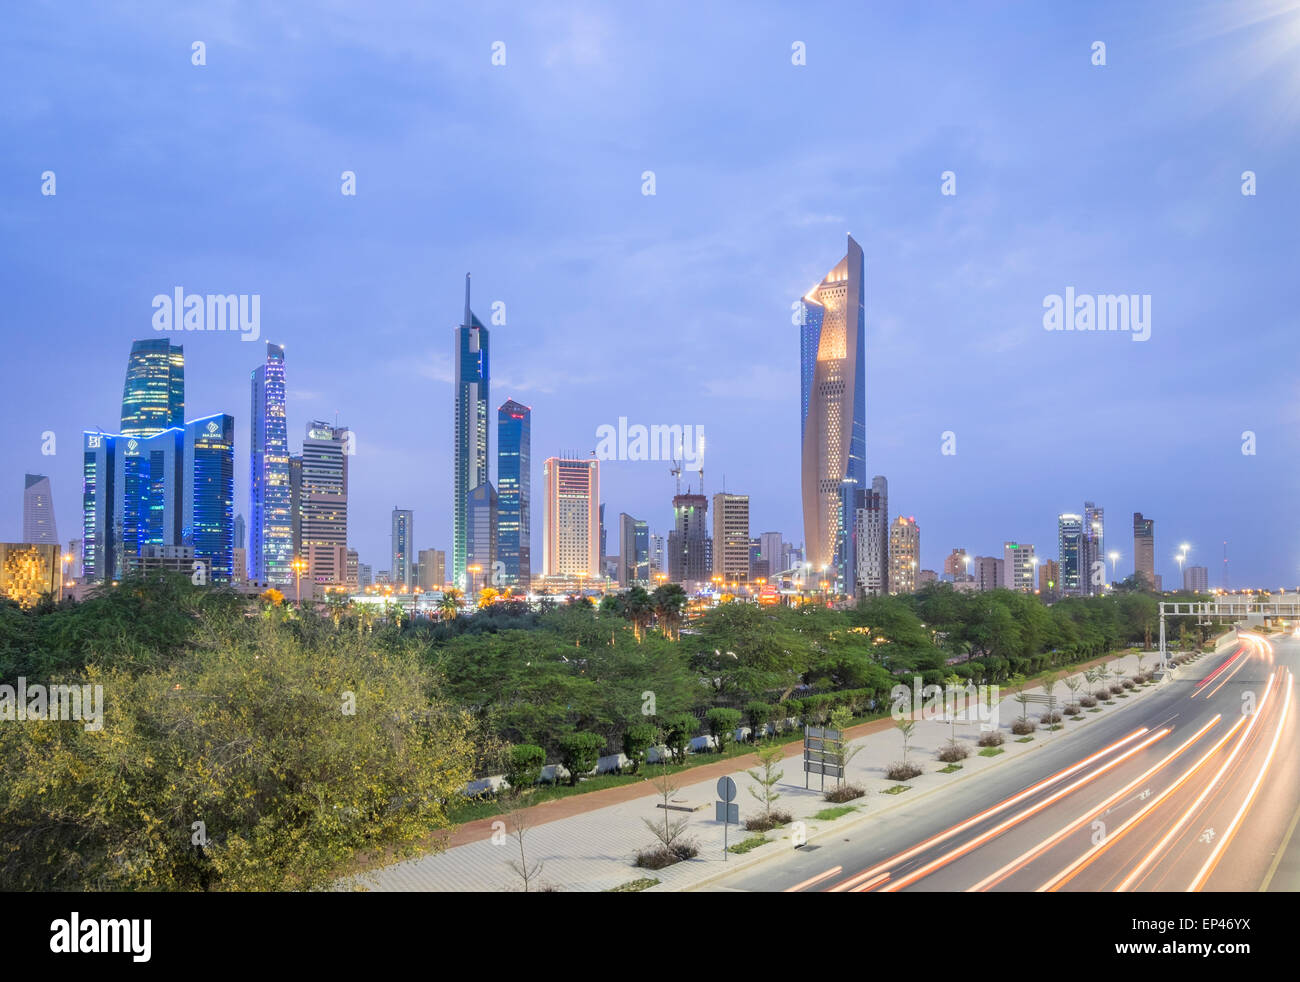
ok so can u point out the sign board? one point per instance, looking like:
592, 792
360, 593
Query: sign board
728, 812
726, 789
822, 748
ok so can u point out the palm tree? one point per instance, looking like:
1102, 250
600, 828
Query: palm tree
338, 605
668, 601
365, 618
449, 605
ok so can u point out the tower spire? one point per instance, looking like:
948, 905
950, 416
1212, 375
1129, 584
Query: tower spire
466, 321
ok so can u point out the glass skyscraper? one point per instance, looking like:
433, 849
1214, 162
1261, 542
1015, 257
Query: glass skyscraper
481, 537
403, 558
153, 397
1070, 575
270, 552
470, 446
514, 425
832, 352
208, 494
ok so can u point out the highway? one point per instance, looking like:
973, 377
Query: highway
1193, 788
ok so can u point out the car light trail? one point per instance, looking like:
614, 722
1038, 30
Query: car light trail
815, 879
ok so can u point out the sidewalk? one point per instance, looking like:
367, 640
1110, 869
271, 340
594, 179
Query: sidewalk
588, 841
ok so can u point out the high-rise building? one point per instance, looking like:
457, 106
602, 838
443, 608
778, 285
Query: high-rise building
514, 493
1049, 578
38, 510
295, 504
470, 450
403, 554
208, 490
481, 564
29, 570
1144, 549
769, 548
731, 537
365, 575
353, 571
659, 554
1196, 579
270, 549
433, 569
633, 551
74, 564
153, 397
690, 549
989, 573
1018, 566
954, 564
1069, 532
321, 513
832, 345
571, 531
241, 532
1092, 554
904, 555
873, 539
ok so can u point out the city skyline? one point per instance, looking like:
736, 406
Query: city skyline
955, 297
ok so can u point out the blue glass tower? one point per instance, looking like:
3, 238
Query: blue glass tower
153, 396
514, 495
470, 446
208, 495
270, 549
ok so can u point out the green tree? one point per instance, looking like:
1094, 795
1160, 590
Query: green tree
769, 757
579, 753
722, 726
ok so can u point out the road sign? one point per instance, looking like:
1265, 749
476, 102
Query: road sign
822, 748
724, 812
726, 789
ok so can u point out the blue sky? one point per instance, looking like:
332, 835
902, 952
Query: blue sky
675, 308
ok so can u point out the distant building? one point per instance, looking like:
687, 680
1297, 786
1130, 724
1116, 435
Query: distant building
514, 493
402, 552
365, 575
1018, 566
989, 574
1092, 556
38, 510
658, 554
731, 537
769, 550
633, 551
925, 578
241, 533
873, 539
904, 555
690, 550
271, 547
239, 566
1049, 578
470, 450
571, 531
1196, 579
153, 396
482, 568
321, 515
353, 571
1069, 531
955, 563
433, 568
1144, 549
30, 570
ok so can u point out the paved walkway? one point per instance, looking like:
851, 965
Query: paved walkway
588, 841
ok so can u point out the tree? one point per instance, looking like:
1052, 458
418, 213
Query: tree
1073, 683
669, 832
1017, 682
449, 603
758, 714
953, 682
637, 741
722, 726
842, 752
669, 600
905, 727
766, 794
524, 763
579, 753
678, 730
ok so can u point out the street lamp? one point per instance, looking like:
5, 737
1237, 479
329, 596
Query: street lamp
1114, 558
299, 564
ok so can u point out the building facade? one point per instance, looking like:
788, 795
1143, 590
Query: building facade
873, 540
1196, 579
38, 510
321, 515
470, 446
633, 551
904, 555
1018, 566
1069, 533
690, 549
1144, 549
571, 530
402, 551
514, 493
481, 564
731, 537
270, 548
153, 396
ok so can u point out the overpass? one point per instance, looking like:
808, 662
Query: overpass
1233, 608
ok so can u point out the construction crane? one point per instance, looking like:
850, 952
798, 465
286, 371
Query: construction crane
676, 471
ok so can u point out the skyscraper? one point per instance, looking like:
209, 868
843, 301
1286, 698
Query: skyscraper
208, 494
433, 569
633, 551
1144, 549
873, 539
402, 569
731, 536
241, 533
1069, 531
322, 503
571, 532
690, 550
470, 448
770, 549
990, 573
270, 550
1196, 579
153, 397
514, 494
38, 510
1018, 566
832, 346
1092, 557
481, 531
904, 555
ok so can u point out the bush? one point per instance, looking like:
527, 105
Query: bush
637, 741
845, 792
1050, 717
1116, 689
678, 730
954, 752
1129, 684
524, 765
1023, 727
763, 823
902, 772
993, 738
1073, 709
1087, 702
657, 857
722, 725
758, 714
579, 753
792, 709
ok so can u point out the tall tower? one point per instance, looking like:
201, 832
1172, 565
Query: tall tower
832, 348
1071, 553
514, 494
1092, 559
1144, 549
403, 556
153, 396
270, 552
38, 510
571, 536
322, 513
470, 447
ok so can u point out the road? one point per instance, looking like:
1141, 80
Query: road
1194, 788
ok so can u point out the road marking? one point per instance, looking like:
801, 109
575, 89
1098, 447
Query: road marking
1281, 850
815, 879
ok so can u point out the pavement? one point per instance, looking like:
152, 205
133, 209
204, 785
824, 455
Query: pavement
588, 842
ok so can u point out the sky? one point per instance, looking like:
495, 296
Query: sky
675, 308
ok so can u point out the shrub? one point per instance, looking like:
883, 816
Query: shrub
845, 792
954, 752
1116, 689
1073, 709
678, 730
1087, 702
902, 772
722, 726
763, 823
1023, 727
993, 738
657, 857
792, 709
1050, 717
579, 753
524, 765
1129, 684
637, 741
758, 714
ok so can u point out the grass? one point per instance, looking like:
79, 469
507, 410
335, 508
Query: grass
830, 814
897, 789
1025, 739
990, 751
753, 842
634, 886
950, 768
1095, 709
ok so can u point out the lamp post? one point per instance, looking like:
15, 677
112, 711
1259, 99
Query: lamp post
299, 564
1114, 558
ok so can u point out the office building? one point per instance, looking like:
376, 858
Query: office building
270, 548
208, 489
1196, 579
1018, 566
29, 570
1092, 554
1069, 532
873, 539
1144, 550
433, 567
571, 530
38, 510
470, 447
353, 581
989, 573
514, 494
402, 551
904, 555
321, 503
1049, 578
690, 549
241, 533
633, 551
153, 396
731, 537
482, 567
769, 549
955, 563
832, 343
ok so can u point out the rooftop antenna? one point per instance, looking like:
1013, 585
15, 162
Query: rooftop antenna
467, 313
